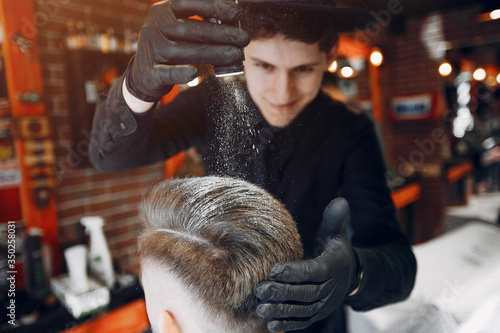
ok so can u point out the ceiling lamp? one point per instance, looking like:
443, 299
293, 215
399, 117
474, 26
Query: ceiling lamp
333, 67
495, 14
376, 58
445, 69
346, 72
489, 16
479, 74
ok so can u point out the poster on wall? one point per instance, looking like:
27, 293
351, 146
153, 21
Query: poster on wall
413, 107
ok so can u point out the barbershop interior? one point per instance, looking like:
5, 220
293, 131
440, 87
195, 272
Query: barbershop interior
425, 73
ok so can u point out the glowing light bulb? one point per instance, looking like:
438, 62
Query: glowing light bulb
333, 67
495, 14
479, 74
498, 78
376, 58
347, 72
445, 69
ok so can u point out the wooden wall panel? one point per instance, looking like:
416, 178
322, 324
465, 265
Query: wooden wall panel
23, 73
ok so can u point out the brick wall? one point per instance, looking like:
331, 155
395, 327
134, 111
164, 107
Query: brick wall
85, 191
409, 70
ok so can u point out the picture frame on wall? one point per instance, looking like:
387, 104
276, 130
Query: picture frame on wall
418, 107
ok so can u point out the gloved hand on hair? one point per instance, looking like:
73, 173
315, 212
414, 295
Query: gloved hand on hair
304, 292
170, 42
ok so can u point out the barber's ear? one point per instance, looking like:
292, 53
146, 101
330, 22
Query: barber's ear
167, 323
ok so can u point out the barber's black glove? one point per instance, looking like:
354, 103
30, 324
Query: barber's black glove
307, 291
170, 42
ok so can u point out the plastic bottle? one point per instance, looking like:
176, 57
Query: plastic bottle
37, 284
100, 263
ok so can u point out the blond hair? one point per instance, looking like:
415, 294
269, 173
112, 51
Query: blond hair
219, 237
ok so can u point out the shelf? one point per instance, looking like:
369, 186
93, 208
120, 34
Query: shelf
4, 107
406, 195
126, 312
9, 187
10, 175
88, 73
459, 171
129, 318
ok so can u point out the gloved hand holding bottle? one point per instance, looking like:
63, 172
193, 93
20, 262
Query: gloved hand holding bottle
304, 292
170, 43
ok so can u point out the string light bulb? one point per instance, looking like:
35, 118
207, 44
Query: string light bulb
445, 69
333, 67
346, 72
376, 58
479, 74
495, 14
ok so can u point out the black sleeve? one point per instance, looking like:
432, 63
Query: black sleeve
122, 139
385, 255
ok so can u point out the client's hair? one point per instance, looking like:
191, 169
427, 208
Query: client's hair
218, 237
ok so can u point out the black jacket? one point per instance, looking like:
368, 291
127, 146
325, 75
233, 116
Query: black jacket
326, 152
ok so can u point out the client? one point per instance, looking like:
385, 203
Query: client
207, 242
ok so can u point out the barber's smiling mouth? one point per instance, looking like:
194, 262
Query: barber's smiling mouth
283, 107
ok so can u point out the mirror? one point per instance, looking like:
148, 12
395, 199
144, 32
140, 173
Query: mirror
472, 89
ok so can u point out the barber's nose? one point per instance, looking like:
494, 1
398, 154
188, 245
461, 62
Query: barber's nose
284, 86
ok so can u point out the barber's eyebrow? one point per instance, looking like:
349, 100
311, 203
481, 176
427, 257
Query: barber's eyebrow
256, 59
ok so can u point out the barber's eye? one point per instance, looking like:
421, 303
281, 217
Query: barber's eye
264, 66
303, 69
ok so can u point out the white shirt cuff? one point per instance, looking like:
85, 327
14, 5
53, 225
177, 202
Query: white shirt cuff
134, 103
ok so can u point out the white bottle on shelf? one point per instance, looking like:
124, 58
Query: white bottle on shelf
100, 261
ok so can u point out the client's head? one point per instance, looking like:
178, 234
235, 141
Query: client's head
207, 242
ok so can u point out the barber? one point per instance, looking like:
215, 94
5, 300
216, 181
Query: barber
300, 145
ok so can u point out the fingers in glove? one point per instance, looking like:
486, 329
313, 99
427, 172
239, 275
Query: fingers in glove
281, 310
174, 74
334, 216
206, 33
224, 10
281, 292
311, 270
288, 325
189, 53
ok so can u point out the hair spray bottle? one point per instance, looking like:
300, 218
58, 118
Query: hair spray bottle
100, 262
